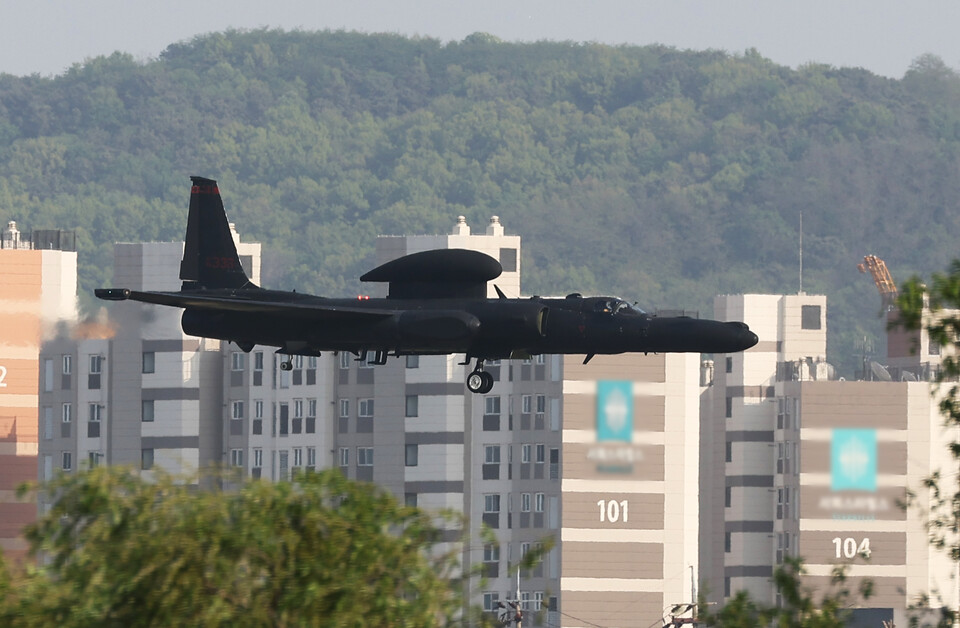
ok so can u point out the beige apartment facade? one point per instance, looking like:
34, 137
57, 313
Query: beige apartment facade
629, 531
38, 292
862, 445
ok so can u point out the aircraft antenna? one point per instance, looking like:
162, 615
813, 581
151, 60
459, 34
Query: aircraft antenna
801, 252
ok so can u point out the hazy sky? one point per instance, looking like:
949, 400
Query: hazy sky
884, 36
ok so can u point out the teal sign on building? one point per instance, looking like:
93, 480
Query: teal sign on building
853, 460
614, 411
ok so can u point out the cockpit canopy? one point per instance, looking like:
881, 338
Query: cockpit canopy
616, 306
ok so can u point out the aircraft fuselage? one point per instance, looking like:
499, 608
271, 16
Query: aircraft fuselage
486, 329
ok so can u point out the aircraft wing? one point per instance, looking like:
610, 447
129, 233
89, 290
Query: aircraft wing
300, 309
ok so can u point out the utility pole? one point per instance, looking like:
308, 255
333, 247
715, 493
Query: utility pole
681, 609
511, 612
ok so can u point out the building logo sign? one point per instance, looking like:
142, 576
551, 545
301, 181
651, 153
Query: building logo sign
614, 452
853, 460
614, 411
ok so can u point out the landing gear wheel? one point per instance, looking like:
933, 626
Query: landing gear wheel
476, 381
487, 384
286, 366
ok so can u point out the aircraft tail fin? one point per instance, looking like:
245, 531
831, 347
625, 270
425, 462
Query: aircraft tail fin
210, 257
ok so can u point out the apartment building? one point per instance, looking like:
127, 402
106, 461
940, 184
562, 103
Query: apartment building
142, 392
38, 296
798, 462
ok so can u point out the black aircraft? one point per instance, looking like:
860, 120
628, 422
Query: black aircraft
437, 304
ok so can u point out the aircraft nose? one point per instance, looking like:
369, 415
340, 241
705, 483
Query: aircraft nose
743, 337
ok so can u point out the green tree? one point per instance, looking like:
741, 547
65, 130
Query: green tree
934, 307
799, 608
118, 550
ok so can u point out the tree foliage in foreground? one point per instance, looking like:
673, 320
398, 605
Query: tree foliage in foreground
933, 306
799, 608
324, 551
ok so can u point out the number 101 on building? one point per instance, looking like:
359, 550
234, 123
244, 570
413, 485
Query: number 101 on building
612, 511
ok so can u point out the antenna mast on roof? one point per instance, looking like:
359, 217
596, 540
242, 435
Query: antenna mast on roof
801, 252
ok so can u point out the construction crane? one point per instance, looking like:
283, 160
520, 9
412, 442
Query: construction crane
881, 277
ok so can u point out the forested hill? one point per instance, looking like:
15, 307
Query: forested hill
658, 174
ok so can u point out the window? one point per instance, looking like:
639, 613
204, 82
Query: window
311, 457
344, 408
539, 359
508, 260
258, 458
96, 364
729, 364
541, 453
491, 404
537, 600
66, 412
146, 459
146, 410
312, 362
298, 408
47, 375
525, 451
525, 406
729, 409
524, 502
728, 497
413, 361
237, 361
491, 454
727, 542
491, 601
148, 364
298, 456
810, 317
95, 411
93, 459
344, 456
238, 409
344, 360
67, 364
412, 455
365, 407
47, 422
236, 457
297, 362
258, 361
491, 553
312, 407
410, 499
364, 456
66, 461
541, 404
538, 500
729, 451
491, 503
412, 406
284, 465
256, 426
